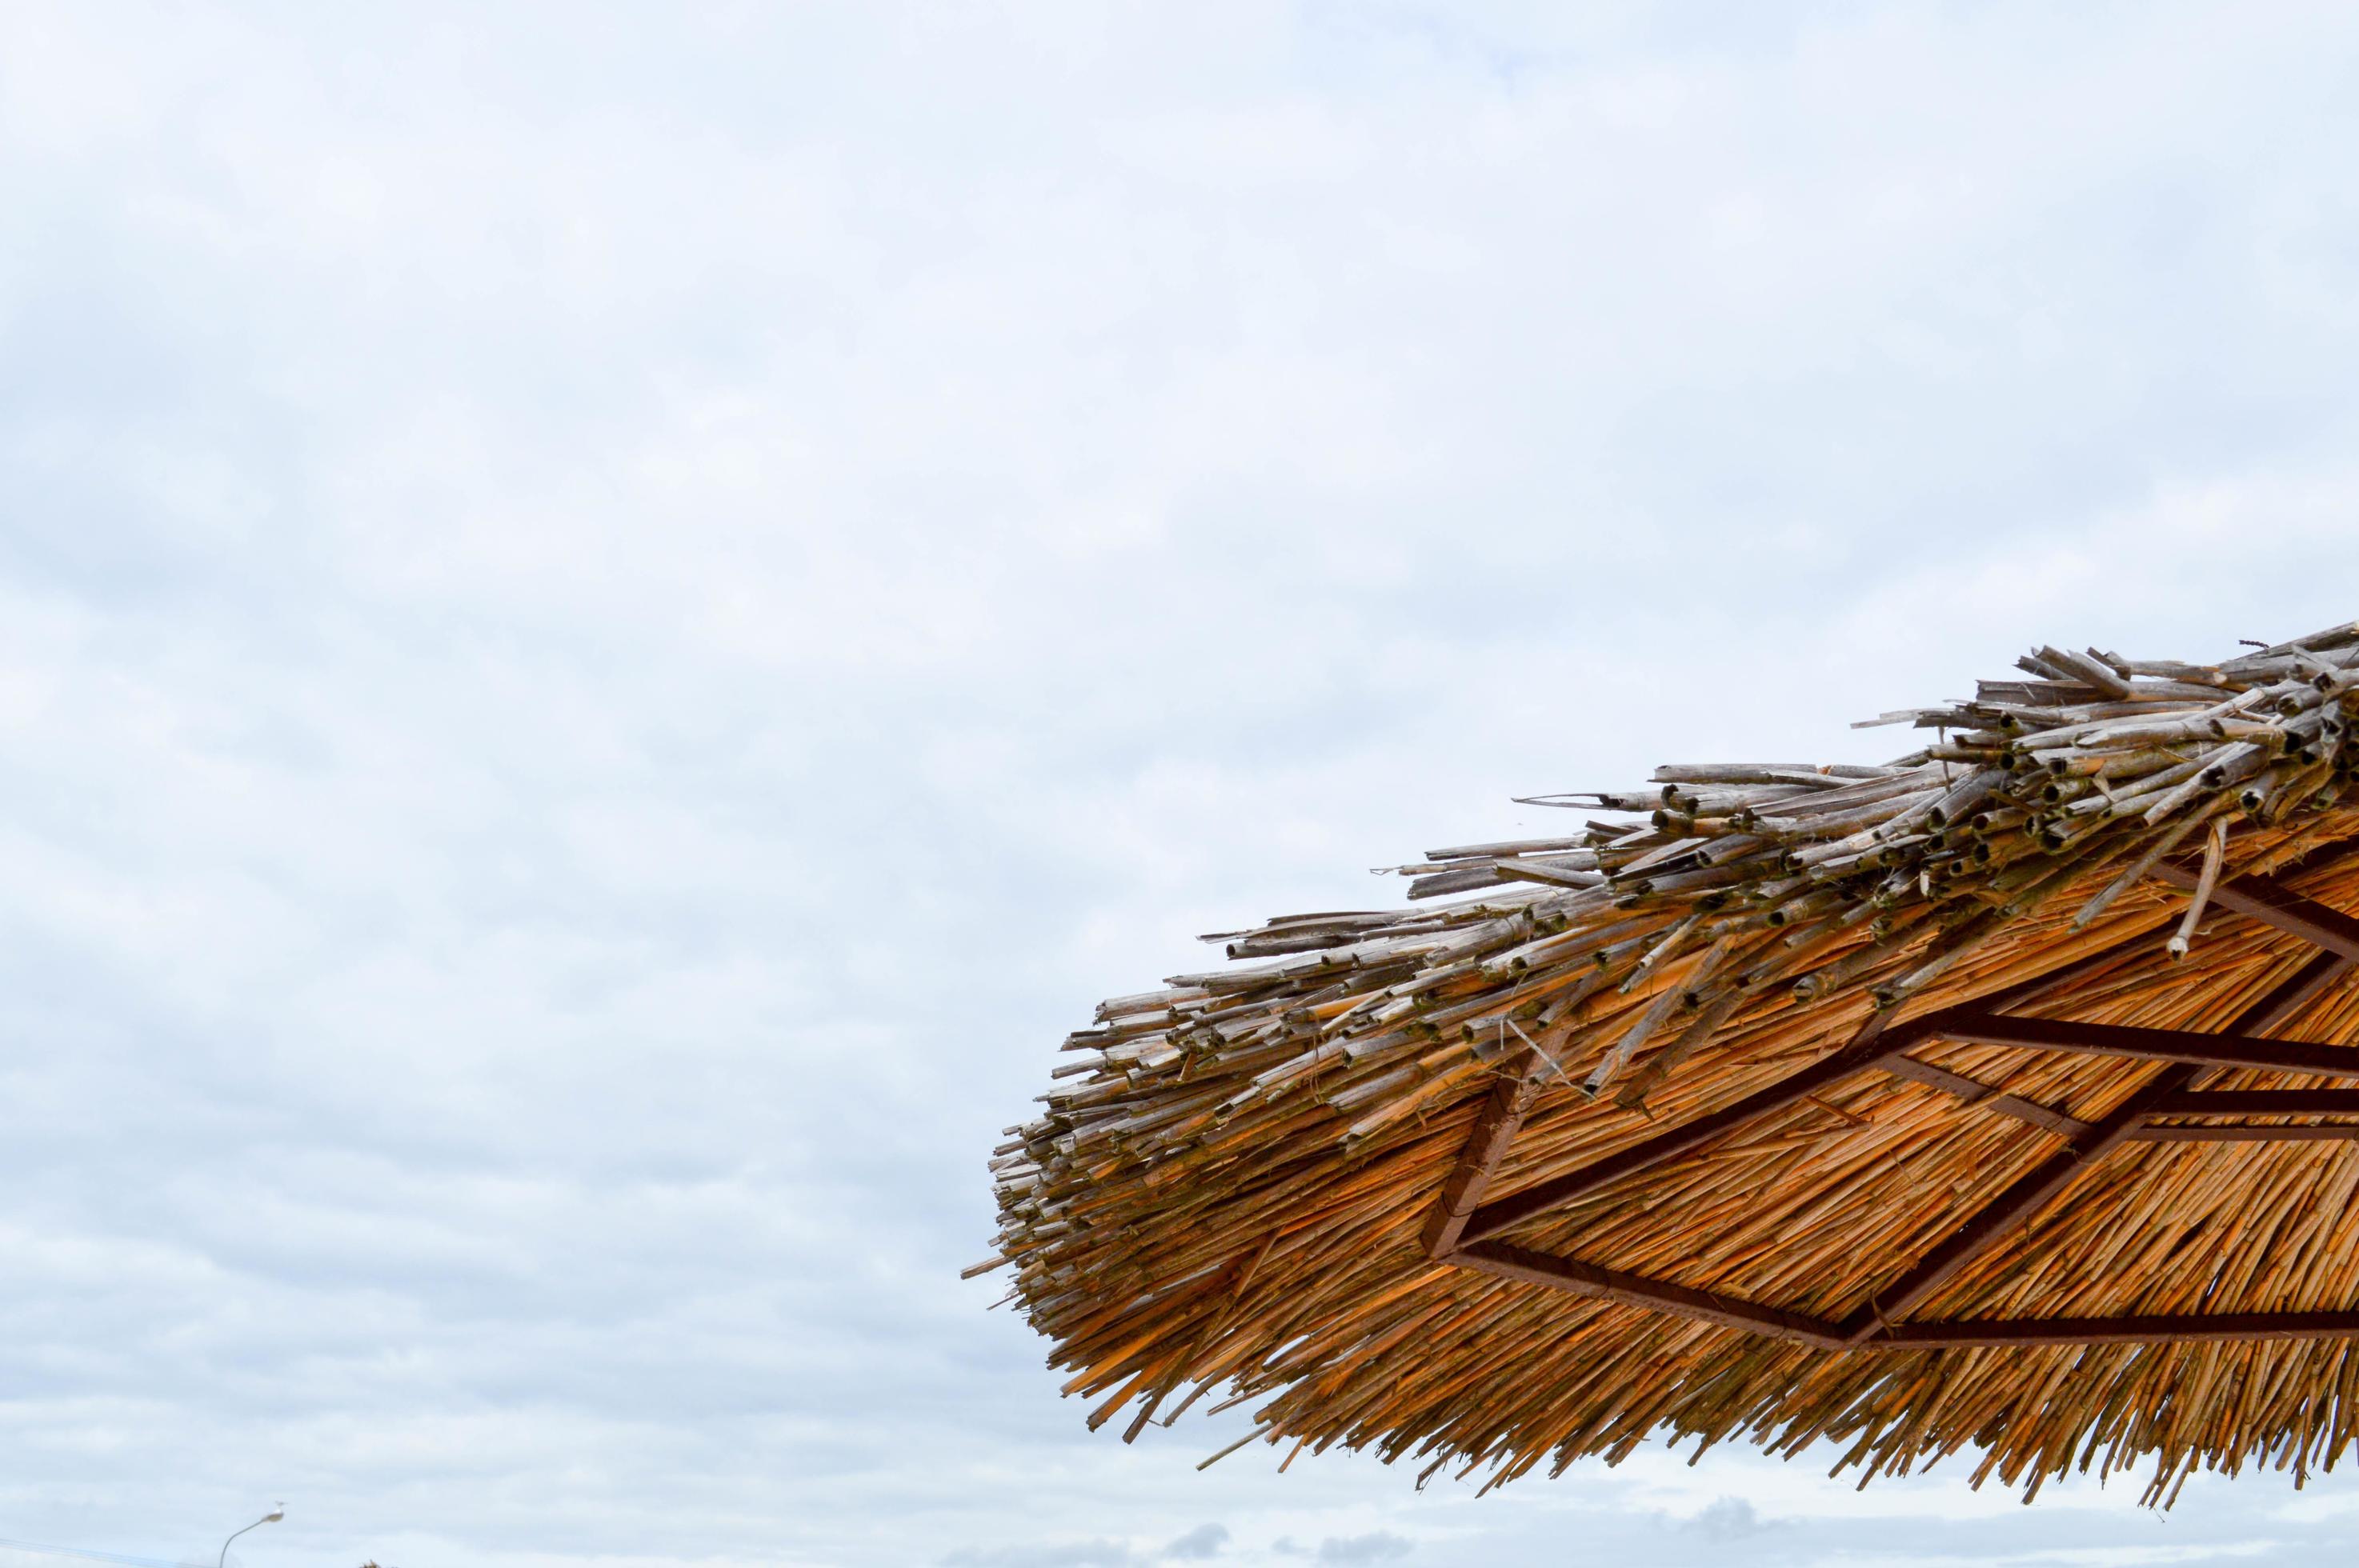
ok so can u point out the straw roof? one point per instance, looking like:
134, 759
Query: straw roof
1998, 1098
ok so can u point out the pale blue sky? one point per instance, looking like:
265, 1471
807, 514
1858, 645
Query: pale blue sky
613, 618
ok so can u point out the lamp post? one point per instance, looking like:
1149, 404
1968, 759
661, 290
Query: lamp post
277, 1511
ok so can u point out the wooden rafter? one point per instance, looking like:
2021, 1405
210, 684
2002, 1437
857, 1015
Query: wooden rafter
2031, 1191
1494, 1128
2177, 1328
1462, 1228
1870, 1046
2262, 1102
1874, 1045
2311, 1132
2232, 1048
1633, 1290
1971, 1092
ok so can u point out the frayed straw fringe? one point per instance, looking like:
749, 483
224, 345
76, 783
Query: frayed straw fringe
1227, 1189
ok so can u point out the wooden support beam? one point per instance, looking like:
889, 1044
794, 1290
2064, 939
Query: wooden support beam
2154, 1330
2262, 1102
1869, 1047
2025, 1196
2188, 1102
1508, 1263
2313, 1132
1975, 1093
2271, 902
1495, 1126
1460, 1225
2234, 1048
1587, 1279
2032, 1191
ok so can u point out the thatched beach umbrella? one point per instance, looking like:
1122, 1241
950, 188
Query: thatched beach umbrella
1998, 1097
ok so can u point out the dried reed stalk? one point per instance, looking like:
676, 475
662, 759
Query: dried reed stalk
1227, 1188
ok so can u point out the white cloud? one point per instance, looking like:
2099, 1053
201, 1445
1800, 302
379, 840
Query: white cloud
610, 620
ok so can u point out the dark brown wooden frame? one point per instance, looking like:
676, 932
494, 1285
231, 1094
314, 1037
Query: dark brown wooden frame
1465, 1230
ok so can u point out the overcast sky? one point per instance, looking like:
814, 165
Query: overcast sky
612, 618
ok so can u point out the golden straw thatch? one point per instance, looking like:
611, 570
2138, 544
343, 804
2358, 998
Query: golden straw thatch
1997, 1096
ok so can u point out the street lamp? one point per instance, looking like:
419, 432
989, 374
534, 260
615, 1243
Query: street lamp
277, 1511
